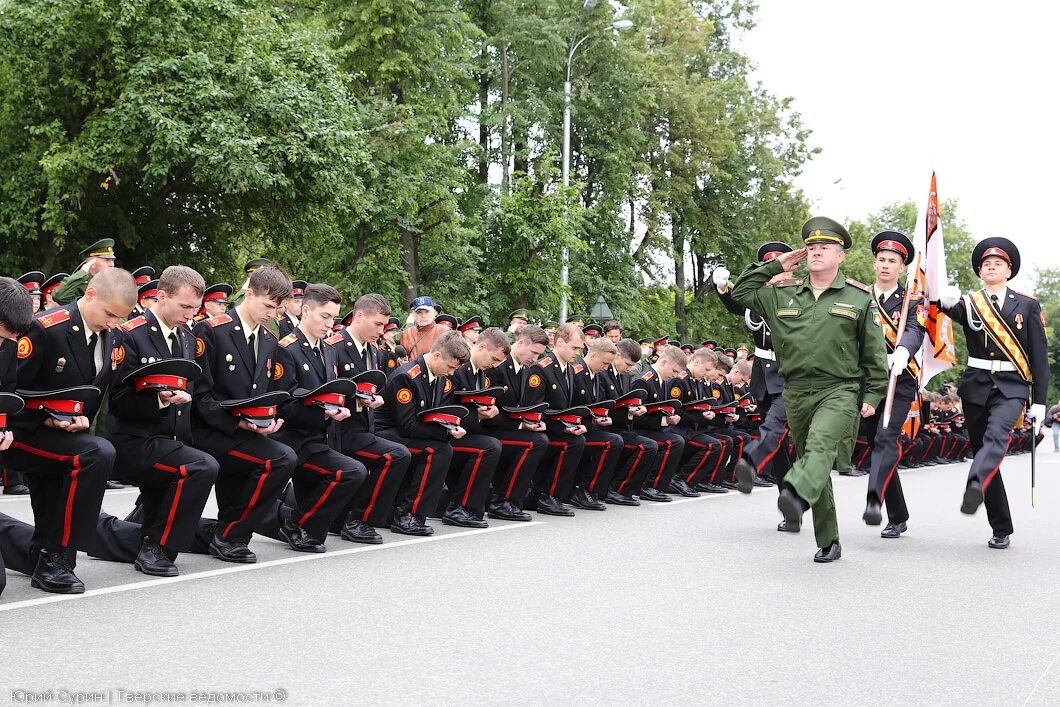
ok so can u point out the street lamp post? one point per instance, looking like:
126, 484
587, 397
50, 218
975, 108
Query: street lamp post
564, 272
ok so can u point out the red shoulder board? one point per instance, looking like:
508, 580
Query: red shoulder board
57, 317
219, 320
1026, 295
333, 339
546, 361
415, 371
578, 368
288, 340
134, 323
683, 374
647, 375
265, 331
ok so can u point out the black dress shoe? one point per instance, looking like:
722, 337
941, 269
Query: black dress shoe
551, 506
998, 542
408, 524
651, 494
621, 499
973, 498
829, 554
745, 476
762, 482
153, 560
136, 515
231, 551
708, 487
299, 539
681, 487
16, 490
54, 574
873, 514
463, 518
783, 527
357, 531
584, 499
727, 484
893, 530
792, 507
506, 510
114, 484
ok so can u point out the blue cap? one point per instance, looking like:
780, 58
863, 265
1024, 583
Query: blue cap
422, 303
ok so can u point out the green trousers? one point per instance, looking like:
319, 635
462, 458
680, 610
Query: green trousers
819, 421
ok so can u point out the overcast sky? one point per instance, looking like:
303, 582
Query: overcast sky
895, 90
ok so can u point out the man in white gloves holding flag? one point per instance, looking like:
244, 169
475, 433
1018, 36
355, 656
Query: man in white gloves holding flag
1008, 368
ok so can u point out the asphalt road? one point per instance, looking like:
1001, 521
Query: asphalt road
699, 601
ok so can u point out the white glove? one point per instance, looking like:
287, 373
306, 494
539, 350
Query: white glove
1036, 413
897, 361
721, 277
950, 295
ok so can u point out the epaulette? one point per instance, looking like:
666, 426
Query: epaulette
546, 360
789, 283
288, 340
56, 317
859, 285
219, 320
334, 339
578, 368
134, 323
1025, 295
415, 371
647, 375
265, 331
683, 374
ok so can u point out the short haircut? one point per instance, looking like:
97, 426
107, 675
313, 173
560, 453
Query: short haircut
722, 362
451, 344
372, 304
114, 285
494, 338
270, 281
612, 324
318, 294
629, 350
568, 331
533, 334
176, 277
601, 346
744, 367
16, 309
673, 354
705, 355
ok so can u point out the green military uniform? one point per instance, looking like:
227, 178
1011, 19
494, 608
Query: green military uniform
75, 285
826, 345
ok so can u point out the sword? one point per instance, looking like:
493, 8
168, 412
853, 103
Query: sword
888, 401
1035, 427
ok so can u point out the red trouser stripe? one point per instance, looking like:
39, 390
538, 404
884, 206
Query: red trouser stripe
632, 467
666, 455
323, 497
479, 454
559, 465
267, 463
769, 457
991, 475
706, 456
426, 473
717, 466
600, 464
378, 482
176, 498
518, 465
68, 517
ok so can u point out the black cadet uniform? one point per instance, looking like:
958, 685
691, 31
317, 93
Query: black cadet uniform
11, 479
554, 483
638, 451
703, 454
1008, 368
325, 480
387, 462
671, 445
603, 446
154, 441
254, 467
475, 456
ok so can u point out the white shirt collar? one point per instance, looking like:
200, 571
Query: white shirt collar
247, 329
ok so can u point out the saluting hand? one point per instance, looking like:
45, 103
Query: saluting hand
791, 260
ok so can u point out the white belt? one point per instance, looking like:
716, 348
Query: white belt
765, 353
992, 366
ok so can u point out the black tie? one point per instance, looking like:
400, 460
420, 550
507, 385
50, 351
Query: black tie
883, 299
364, 357
253, 353
92, 341
320, 358
174, 345
993, 301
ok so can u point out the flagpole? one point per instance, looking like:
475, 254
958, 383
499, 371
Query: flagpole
892, 383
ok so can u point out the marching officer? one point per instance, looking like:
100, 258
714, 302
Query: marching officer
66, 359
892, 251
97, 257
1008, 370
236, 353
150, 420
828, 340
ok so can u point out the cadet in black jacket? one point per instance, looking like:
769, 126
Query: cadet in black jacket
638, 452
523, 442
476, 455
292, 309
1008, 370
387, 461
325, 481
658, 426
237, 353
892, 252
151, 430
704, 454
67, 468
603, 446
417, 386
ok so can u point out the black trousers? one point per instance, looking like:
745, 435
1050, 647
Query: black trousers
738, 441
702, 456
884, 484
67, 474
521, 455
325, 483
175, 481
254, 469
988, 429
559, 466
423, 484
637, 460
768, 454
667, 460
9, 477
603, 449
475, 459
387, 464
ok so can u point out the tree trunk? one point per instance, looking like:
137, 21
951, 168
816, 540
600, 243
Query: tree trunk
410, 261
483, 129
679, 277
521, 158
505, 142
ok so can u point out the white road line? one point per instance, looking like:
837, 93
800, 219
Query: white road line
231, 569
1039, 680
111, 492
704, 497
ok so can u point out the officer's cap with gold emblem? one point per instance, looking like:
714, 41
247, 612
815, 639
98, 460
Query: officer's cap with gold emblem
103, 248
821, 229
256, 264
895, 242
998, 247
